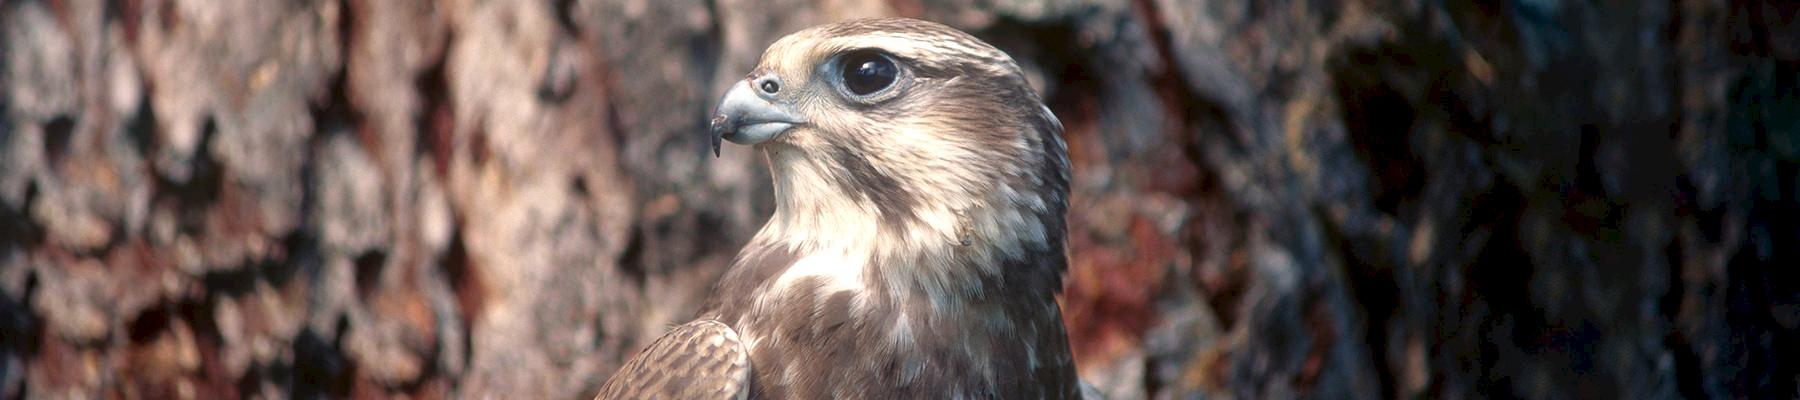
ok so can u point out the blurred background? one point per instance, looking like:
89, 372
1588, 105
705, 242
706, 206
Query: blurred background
1273, 199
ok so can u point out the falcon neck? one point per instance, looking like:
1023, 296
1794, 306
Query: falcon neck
877, 228
841, 201
951, 290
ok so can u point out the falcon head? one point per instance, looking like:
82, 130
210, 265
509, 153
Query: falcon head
916, 128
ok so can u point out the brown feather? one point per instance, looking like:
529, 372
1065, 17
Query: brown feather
700, 360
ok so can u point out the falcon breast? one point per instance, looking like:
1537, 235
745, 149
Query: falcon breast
917, 244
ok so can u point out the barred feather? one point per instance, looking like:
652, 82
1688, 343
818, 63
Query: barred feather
699, 360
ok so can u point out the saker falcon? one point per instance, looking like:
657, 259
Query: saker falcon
917, 243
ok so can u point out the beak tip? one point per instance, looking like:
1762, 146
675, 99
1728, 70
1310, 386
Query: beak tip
717, 129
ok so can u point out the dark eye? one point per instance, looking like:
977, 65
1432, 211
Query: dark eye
867, 72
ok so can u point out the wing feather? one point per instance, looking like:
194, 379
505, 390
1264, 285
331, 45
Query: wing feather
700, 360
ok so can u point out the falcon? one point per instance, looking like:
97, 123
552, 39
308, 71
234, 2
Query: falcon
917, 244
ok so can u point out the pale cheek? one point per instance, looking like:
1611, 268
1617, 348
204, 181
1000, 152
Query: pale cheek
935, 157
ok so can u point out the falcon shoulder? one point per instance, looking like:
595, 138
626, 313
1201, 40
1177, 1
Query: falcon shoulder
699, 360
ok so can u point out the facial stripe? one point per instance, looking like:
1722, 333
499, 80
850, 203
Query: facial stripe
889, 195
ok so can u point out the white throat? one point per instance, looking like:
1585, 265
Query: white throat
947, 238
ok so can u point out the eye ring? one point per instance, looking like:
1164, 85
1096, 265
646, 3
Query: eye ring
770, 86
867, 72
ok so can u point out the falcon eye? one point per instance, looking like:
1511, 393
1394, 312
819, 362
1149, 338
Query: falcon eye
866, 72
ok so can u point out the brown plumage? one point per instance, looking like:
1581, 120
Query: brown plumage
700, 360
917, 243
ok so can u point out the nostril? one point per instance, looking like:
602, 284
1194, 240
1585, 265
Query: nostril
770, 86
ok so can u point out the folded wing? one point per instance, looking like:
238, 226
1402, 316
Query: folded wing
700, 360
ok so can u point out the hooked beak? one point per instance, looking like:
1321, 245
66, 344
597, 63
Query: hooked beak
745, 116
